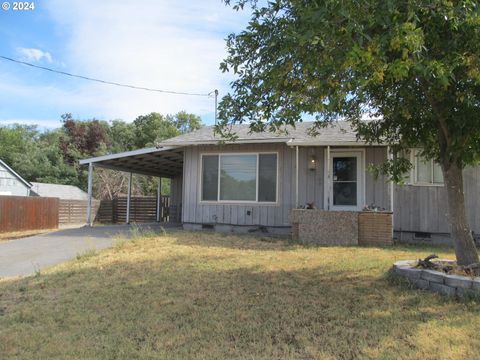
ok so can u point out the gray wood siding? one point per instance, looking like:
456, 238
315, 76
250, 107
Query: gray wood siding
239, 214
311, 186
377, 191
310, 182
10, 185
176, 186
416, 208
424, 208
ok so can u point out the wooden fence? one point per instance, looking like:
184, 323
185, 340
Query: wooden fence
75, 211
20, 213
142, 209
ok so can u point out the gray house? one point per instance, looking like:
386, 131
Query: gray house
63, 192
11, 183
257, 180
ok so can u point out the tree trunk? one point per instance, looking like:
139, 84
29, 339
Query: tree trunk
465, 249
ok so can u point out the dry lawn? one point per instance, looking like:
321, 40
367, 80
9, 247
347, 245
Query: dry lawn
211, 296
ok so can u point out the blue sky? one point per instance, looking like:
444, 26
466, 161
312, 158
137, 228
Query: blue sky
164, 44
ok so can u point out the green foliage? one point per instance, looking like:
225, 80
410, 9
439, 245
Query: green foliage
52, 156
414, 64
152, 128
124, 135
185, 122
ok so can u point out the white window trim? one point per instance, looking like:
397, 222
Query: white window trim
328, 179
413, 173
239, 202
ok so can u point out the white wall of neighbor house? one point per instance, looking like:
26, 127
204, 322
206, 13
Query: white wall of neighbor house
10, 185
311, 186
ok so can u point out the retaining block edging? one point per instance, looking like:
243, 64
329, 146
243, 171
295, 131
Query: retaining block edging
448, 285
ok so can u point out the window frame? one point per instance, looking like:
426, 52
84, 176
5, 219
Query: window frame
414, 158
226, 202
360, 153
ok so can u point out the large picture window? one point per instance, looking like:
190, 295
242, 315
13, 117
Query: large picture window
239, 177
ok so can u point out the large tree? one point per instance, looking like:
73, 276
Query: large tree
414, 65
52, 156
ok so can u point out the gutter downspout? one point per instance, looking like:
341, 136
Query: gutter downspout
296, 177
328, 178
390, 156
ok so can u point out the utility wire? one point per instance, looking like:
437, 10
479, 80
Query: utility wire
107, 82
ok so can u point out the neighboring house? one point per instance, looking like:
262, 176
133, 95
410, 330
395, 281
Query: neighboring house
63, 192
256, 181
11, 183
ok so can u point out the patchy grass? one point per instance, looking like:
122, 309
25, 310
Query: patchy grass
21, 234
205, 295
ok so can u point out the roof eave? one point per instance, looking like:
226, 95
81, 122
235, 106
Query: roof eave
218, 142
29, 185
125, 154
330, 143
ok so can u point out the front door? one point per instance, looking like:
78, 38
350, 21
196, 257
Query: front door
345, 181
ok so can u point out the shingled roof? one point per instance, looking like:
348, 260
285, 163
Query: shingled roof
66, 192
338, 133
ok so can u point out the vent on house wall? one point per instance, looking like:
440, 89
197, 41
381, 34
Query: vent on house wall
208, 226
422, 235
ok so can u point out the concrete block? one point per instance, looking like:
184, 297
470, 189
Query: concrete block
442, 289
421, 284
405, 263
476, 284
224, 228
462, 292
192, 227
409, 273
458, 281
433, 276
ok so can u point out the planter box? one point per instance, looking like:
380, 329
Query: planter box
375, 228
323, 227
436, 281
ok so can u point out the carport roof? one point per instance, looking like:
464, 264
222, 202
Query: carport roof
164, 161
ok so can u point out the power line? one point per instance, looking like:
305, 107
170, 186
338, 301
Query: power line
107, 82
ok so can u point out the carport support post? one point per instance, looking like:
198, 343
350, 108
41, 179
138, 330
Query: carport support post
89, 202
129, 195
159, 198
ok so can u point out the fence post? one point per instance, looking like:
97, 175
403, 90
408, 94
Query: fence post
114, 211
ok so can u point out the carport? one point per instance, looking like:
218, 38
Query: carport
161, 162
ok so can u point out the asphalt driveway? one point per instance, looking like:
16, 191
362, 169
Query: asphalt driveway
28, 255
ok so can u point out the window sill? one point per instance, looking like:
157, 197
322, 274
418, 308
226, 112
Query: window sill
426, 184
247, 203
